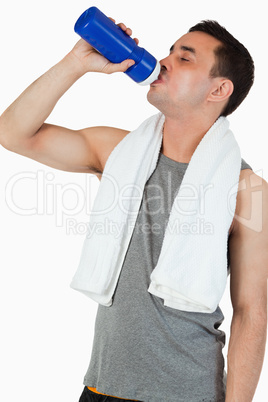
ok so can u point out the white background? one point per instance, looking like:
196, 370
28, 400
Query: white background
46, 327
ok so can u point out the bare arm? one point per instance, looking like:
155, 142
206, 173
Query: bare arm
22, 125
248, 247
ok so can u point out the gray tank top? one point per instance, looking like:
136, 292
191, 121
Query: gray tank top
142, 349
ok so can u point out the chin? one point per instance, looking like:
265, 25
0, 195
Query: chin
157, 101
154, 99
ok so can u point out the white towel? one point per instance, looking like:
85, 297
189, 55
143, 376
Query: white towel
191, 271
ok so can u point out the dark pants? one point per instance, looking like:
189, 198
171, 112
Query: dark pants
89, 396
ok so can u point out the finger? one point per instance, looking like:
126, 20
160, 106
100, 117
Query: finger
124, 28
128, 31
127, 64
118, 67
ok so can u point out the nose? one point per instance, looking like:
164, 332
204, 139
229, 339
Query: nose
163, 67
166, 63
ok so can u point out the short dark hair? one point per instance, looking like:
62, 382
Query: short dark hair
233, 62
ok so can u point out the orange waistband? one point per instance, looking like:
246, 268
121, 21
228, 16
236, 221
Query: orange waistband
96, 392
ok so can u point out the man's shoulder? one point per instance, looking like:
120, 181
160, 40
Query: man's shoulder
105, 140
252, 197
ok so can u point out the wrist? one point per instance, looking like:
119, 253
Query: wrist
74, 65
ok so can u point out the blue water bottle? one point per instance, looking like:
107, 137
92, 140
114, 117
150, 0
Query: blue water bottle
114, 44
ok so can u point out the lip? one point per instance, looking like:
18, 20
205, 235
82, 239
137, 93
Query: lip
158, 81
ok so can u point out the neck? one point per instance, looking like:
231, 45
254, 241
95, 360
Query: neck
181, 137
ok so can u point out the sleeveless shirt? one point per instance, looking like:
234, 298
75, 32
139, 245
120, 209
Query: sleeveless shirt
142, 349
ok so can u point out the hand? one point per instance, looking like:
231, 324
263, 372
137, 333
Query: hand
92, 61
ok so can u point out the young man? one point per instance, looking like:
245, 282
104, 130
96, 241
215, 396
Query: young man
143, 350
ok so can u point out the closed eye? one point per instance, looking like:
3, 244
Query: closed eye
182, 58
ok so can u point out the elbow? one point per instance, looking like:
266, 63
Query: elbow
4, 142
8, 131
251, 318
3, 135
8, 140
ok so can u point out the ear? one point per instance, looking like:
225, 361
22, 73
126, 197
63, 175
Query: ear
221, 91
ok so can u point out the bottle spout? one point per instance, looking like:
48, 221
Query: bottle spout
153, 76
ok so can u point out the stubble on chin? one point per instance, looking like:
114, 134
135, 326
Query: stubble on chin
157, 100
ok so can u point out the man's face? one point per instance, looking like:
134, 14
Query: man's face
184, 82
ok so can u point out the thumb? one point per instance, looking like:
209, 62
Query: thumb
120, 67
127, 64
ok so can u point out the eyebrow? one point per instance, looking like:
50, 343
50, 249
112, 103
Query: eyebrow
185, 48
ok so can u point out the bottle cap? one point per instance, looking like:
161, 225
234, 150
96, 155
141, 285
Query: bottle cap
152, 77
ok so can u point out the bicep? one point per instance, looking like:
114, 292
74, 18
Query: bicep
248, 251
71, 150
248, 271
